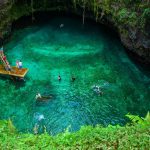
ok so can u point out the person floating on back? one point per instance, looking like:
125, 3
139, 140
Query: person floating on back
42, 98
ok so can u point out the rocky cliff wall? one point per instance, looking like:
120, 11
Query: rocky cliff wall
130, 18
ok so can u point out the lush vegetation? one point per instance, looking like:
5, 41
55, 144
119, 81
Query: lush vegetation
122, 13
135, 135
133, 13
130, 12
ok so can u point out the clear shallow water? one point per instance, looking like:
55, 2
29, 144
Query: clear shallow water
94, 56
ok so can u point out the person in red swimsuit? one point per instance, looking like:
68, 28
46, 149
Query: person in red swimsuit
4, 58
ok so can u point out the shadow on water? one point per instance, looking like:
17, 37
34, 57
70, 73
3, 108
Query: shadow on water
145, 68
15, 82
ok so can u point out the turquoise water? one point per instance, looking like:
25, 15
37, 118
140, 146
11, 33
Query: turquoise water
90, 53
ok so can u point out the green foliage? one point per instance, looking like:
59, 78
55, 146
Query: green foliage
122, 12
139, 120
147, 117
145, 17
74, 4
133, 136
18, 11
134, 13
131, 2
127, 17
146, 13
11, 127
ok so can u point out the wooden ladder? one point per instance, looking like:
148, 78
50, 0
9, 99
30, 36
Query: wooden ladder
3, 62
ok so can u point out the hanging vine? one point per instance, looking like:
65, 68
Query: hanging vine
85, 4
97, 12
45, 2
32, 10
83, 14
12, 2
94, 6
96, 9
75, 4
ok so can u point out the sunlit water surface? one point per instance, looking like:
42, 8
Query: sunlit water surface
90, 53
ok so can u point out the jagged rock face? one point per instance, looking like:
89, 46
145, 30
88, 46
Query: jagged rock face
133, 38
5, 24
137, 42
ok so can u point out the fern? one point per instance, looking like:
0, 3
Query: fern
139, 120
11, 127
147, 118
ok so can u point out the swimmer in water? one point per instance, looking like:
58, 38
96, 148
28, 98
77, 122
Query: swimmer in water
41, 117
99, 91
73, 78
59, 78
38, 95
61, 25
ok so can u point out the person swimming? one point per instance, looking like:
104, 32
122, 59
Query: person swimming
97, 89
41, 117
73, 78
59, 77
61, 25
38, 95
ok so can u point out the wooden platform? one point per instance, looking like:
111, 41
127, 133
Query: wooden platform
15, 72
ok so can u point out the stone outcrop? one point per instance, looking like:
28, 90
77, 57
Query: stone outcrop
135, 38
